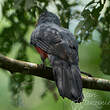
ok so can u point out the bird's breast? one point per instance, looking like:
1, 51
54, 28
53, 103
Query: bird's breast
41, 52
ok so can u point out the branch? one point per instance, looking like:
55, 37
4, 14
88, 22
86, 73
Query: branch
13, 65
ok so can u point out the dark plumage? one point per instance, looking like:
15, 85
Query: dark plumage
62, 50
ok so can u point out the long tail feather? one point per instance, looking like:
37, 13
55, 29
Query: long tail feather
68, 80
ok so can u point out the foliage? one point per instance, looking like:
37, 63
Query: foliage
20, 83
90, 14
105, 41
21, 14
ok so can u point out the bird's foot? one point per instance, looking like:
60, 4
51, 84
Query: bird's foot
43, 66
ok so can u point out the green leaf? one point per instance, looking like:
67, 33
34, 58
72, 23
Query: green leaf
29, 4
78, 27
17, 3
90, 3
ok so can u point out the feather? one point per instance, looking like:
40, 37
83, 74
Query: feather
68, 79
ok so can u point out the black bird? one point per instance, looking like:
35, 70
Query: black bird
60, 46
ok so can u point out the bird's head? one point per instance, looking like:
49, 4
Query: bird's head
48, 17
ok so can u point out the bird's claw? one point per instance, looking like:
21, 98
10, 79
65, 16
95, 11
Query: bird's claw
43, 66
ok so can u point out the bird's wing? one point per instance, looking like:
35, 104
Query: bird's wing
46, 38
55, 42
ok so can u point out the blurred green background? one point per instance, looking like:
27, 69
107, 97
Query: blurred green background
17, 21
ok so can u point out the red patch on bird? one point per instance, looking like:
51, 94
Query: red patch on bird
41, 52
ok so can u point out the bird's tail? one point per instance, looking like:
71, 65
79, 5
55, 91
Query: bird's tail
68, 80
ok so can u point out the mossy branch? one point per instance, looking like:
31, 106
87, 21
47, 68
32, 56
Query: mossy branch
22, 67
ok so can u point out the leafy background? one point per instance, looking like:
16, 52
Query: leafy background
88, 20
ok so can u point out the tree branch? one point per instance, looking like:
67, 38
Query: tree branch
13, 65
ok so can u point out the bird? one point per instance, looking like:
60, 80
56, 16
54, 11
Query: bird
59, 45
